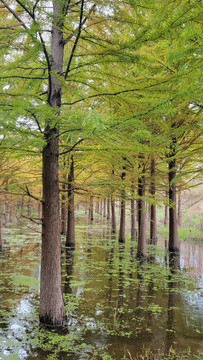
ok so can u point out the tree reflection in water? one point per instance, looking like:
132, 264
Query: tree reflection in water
174, 265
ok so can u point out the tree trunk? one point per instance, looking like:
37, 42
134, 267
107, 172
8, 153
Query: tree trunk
133, 214
166, 215
113, 215
100, 207
51, 300
121, 237
153, 221
173, 229
108, 208
104, 212
141, 248
91, 213
70, 234
63, 211
97, 207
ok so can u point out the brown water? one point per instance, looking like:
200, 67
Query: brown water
115, 305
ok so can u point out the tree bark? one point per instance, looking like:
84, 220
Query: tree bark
97, 207
70, 234
51, 300
166, 215
113, 215
91, 212
101, 207
104, 211
133, 213
63, 211
108, 208
153, 221
141, 248
121, 237
173, 229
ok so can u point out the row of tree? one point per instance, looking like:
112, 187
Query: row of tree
119, 78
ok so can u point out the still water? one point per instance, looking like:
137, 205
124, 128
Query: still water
116, 307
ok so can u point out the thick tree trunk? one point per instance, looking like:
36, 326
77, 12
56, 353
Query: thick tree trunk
133, 214
63, 211
121, 237
108, 208
51, 300
113, 216
141, 248
173, 228
70, 234
153, 221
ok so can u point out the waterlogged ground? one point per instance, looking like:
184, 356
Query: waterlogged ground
116, 307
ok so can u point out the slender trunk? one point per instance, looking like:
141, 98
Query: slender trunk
108, 208
70, 234
153, 221
97, 207
141, 249
113, 215
91, 213
173, 229
166, 215
63, 211
133, 213
51, 300
104, 212
179, 209
100, 207
122, 214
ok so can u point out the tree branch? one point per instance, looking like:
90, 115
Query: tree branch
76, 40
32, 196
69, 150
14, 14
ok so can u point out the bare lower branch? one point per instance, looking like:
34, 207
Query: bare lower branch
70, 149
27, 191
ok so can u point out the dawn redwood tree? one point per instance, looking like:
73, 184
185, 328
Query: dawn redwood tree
173, 225
141, 247
122, 210
70, 233
51, 301
91, 212
133, 213
153, 221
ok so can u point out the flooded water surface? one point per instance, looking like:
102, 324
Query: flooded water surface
116, 307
